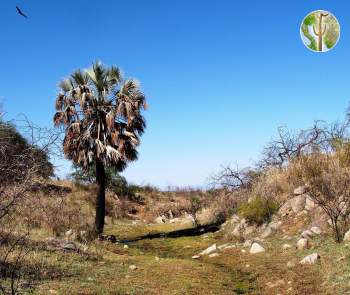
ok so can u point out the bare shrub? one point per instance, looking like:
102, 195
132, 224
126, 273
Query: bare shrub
21, 161
234, 178
289, 145
222, 204
328, 183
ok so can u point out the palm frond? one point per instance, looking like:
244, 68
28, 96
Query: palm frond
100, 148
102, 114
112, 154
75, 127
115, 75
66, 85
58, 118
60, 101
80, 78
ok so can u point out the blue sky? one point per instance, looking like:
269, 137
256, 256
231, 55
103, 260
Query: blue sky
220, 76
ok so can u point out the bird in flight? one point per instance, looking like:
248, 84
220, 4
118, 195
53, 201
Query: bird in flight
21, 12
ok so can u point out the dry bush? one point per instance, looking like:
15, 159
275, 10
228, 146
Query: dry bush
21, 161
277, 184
57, 208
222, 205
328, 183
259, 210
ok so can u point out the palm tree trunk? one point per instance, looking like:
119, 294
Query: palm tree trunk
100, 198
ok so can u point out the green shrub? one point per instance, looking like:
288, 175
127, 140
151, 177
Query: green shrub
258, 210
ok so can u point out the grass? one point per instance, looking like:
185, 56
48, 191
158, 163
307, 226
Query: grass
124, 229
165, 266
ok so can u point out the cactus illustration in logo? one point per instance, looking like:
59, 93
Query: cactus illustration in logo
320, 31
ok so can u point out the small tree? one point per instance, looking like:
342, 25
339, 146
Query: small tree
328, 183
234, 178
196, 203
289, 145
101, 113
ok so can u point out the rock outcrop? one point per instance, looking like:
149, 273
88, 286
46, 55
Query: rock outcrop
302, 244
209, 250
347, 236
298, 203
256, 248
300, 190
310, 259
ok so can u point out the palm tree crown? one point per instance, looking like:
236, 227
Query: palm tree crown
102, 116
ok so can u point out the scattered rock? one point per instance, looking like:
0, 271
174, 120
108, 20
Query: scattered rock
285, 209
109, 238
347, 236
209, 250
240, 228
309, 204
342, 258
300, 190
214, 255
310, 259
189, 218
307, 234
174, 220
316, 230
275, 225
256, 248
70, 246
196, 257
157, 258
223, 246
298, 203
267, 232
126, 247
244, 251
236, 232
132, 267
286, 246
160, 219
68, 233
302, 244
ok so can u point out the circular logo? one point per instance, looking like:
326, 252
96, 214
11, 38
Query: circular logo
320, 31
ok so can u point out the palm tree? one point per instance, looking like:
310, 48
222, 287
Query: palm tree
103, 123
